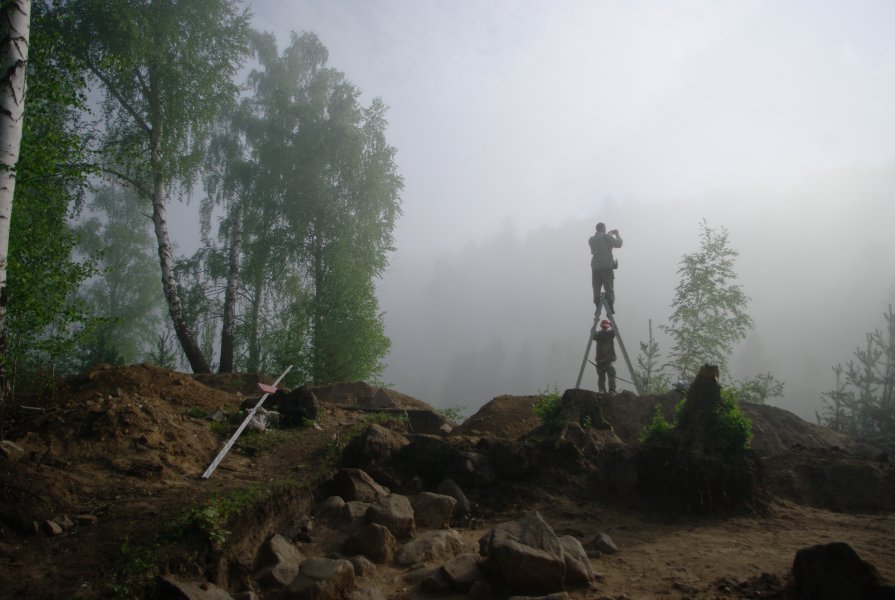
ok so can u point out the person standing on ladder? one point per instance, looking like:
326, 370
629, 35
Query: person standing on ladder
605, 338
602, 265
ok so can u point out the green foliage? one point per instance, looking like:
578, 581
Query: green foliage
649, 372
709, 308
211, 518
731, 430
195, 412
656, 428
45, 319
728, 432
547, 405
126, 295
453, 414
133, 567
863, 401
758, 389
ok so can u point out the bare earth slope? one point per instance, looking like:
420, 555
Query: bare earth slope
118, 453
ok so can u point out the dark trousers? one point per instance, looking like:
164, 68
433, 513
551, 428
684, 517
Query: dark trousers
603, 369
605, 279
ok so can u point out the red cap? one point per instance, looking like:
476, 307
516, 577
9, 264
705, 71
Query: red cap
605, 322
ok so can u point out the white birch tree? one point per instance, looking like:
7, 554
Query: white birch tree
15, 24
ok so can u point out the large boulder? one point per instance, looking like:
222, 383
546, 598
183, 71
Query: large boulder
355, 484
836, 572
374, 541
395, 513
322, 579
374, 446
433, 511
430, 545
525, 555
277, 563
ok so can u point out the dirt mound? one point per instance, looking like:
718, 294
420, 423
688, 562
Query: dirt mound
136, 420
505, 417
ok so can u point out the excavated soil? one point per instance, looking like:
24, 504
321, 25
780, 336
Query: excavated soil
119, 452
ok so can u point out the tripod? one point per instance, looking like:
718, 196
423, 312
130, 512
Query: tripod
618, 336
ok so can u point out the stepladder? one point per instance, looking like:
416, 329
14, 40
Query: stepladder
621, 344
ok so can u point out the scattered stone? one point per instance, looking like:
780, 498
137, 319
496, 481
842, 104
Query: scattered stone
168, 586
525, 555
449, 487
433, 511
578, 569
330, 507
603, 543
88, 520
835, 571
463, 571
374, 446
322, 579
374, 541
355, 512
11, 451
394, 512
435, 582
354, 484
684, 587
53, 527
430, 545
363, 566
277, 563
64, 522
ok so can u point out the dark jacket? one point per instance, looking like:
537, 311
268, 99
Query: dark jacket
605, 345
601, 245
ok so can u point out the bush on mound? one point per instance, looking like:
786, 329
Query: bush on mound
700, 462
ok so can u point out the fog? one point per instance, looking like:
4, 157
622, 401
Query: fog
519, 125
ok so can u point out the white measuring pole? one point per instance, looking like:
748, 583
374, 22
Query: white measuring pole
217, 459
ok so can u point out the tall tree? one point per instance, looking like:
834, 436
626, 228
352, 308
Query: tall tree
125, 295
864, 404
167, 68
709, 307
45, 318
311, 193
15, 27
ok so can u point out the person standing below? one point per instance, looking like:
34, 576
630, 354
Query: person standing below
602, 265
605, 356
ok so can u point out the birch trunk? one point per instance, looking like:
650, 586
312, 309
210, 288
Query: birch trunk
15, 26
160, 220
229, 325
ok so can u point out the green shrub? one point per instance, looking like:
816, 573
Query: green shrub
547, 406
731, 430
657, 427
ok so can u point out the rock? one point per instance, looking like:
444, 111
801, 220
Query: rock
434, 582
330, 507
480, 589
363, 567
52, 527
578, 569
556, 596
11, 451
836, 572
374, 541
354, 484
463, 571
322, 579
89, 520
449, 487
64, 522
525, 555
433, 511
371, 593
296, 408
355, 512
168, 586
394, 512
435, 458
277, 563
430, 545
603, 543
374, 446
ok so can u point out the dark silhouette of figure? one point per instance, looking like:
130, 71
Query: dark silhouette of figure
602, 265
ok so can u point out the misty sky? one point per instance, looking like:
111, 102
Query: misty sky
519, 124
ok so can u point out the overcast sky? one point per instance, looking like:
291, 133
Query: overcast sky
519, 124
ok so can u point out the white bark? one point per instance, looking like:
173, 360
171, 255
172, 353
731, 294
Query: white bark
15, 25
